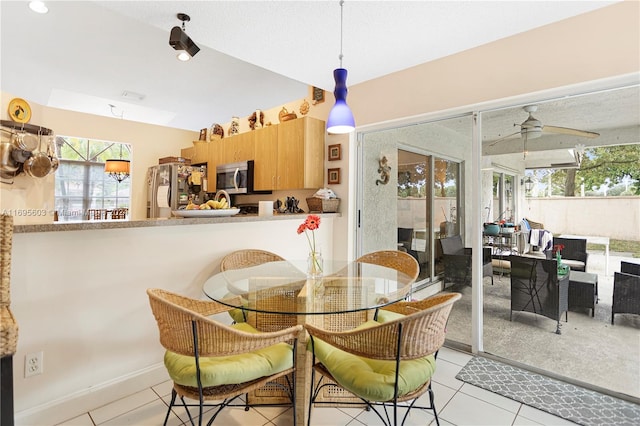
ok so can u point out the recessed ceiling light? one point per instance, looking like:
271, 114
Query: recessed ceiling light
38, 6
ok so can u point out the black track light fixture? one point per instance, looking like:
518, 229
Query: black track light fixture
181, 42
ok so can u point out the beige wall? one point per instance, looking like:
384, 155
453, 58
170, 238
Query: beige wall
588, 47
613, 217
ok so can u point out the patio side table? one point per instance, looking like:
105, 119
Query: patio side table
583, 290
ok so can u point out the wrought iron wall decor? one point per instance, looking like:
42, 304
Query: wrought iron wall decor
385, 171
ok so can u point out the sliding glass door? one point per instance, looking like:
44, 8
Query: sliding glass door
419, 201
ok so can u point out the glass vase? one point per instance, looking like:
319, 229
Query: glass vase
314, 264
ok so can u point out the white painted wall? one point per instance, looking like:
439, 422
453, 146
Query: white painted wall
79, 296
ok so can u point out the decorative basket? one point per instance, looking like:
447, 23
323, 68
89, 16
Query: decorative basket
320, 205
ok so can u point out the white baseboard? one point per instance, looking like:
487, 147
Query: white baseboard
81, 402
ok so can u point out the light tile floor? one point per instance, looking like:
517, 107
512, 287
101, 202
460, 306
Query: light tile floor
458, 403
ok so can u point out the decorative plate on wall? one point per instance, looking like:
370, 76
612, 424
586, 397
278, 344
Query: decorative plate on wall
19, 110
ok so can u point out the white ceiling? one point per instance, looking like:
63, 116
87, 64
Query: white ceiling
83, 55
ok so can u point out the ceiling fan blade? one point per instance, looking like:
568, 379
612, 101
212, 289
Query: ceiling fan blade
568, 131
503, 138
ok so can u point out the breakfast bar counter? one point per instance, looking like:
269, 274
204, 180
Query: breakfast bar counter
174, 221
85, 286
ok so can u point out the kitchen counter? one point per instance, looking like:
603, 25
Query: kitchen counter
177, 221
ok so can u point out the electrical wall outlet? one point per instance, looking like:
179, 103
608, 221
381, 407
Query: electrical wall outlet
33, 364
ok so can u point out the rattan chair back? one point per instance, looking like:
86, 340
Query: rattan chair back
418, 333
175, 314
398, 260
245, 258
96, 214
186, 329
119, 213
421, 331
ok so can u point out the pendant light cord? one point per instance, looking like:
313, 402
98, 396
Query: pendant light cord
341, 21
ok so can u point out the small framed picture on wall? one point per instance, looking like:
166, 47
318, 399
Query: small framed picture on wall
333, 176
335, 152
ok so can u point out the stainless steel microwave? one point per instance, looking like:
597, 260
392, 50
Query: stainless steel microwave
235, 178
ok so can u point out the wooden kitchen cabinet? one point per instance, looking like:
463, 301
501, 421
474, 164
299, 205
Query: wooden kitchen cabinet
187, 152
292, 159
240, 147
266, 160
215, 157
200, 152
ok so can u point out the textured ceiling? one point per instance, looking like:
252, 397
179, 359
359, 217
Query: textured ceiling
83, 55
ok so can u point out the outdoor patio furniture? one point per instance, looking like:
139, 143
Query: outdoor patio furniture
583, 290
536, 287
457, 261
405, 237
574, 254
630, 268
626, 290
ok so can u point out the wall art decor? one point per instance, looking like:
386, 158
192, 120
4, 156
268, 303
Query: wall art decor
333, 176
335, 152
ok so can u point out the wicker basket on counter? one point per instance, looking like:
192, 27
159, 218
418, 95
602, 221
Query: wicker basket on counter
320, 205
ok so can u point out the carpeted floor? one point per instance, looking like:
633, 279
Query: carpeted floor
562, 399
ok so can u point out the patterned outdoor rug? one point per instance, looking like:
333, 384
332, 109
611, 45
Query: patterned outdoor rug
564, 400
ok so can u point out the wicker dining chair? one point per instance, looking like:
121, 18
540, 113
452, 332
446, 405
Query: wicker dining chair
96, 214
384, 364
398, 260
247, 258
119, 213
214, 362
8, 324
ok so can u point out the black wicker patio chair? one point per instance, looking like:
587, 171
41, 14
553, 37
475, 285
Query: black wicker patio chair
457, 261
626, 290
574, 254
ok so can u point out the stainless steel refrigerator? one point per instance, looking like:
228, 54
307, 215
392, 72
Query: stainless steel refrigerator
171, 186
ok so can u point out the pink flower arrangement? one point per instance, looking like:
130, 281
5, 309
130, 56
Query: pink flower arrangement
311, 223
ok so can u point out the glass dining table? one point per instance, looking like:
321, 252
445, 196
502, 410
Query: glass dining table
277, 295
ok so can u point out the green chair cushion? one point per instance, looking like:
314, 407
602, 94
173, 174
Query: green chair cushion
372, 379
237, 315
386, 316
232, 369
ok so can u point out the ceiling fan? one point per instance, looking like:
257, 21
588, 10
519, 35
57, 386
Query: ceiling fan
533, 128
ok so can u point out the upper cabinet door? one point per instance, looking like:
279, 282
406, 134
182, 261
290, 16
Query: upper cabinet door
240, 147
200, 152
300, 154
266, 158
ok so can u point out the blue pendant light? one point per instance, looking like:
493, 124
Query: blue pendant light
340, 117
